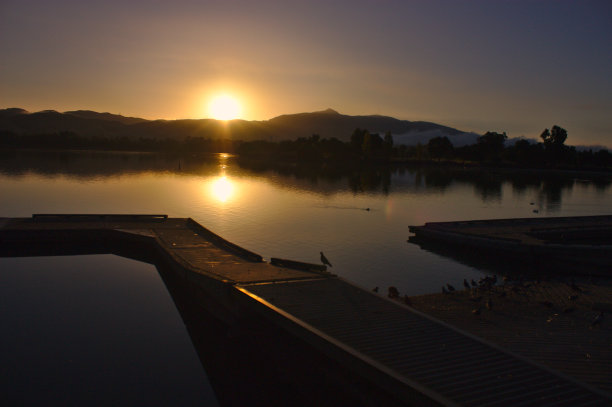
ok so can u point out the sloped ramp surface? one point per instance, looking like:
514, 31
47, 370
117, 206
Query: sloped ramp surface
451, 366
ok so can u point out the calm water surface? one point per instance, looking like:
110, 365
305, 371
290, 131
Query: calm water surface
102, 329
295, 214
94, 330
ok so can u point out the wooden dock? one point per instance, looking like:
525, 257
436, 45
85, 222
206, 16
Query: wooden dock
411, 357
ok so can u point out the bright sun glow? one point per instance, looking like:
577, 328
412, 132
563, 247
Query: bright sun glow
222, 189
224, 107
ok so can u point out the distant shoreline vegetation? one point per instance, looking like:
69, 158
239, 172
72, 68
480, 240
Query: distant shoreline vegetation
67, 140
363, 148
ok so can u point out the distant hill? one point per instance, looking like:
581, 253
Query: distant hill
11, 111
89, 114
327, 123
20, 121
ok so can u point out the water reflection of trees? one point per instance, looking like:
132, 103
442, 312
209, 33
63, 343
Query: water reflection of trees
436, 178
551, 190
92, 164
488, 188
488, 184
547, 186
370, 179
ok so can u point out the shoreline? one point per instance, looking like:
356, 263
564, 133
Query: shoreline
397, 162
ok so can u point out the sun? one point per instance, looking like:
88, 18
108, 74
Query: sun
224, 107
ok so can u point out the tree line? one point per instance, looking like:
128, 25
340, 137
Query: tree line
67, 140
363, 147
491, 149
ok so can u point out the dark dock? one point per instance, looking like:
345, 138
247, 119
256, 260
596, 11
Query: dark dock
550, 322
581, 242
408, 356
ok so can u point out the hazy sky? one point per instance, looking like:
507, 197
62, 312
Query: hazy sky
503, 65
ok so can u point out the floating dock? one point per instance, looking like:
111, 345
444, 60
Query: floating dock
410, 357
583, 243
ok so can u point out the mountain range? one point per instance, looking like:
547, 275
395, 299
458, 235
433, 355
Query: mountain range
327, 123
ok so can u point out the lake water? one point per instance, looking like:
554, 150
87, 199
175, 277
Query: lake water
296, 213
110, 319
96, 330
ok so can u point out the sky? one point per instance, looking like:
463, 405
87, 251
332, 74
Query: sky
477, 65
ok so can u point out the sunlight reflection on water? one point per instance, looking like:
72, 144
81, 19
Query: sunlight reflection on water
297, 215
221, 189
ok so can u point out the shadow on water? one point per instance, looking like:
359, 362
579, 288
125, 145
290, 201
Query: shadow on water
514, 267
481, 260
248, 360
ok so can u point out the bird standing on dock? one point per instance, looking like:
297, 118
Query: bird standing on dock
324, 260
450, 288
466, 284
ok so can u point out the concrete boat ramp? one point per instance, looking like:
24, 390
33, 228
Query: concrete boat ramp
409, 357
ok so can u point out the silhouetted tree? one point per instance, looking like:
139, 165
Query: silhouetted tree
357, 139
556, 153
491, 145
440, 147
388, 143
377, 142
366, 145
555, 137
523, 152
520, 151
603, 158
